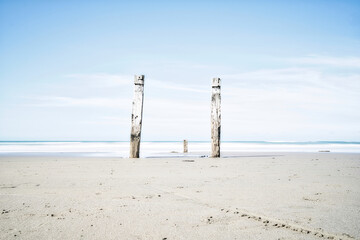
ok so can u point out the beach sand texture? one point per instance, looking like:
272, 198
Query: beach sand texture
253, 196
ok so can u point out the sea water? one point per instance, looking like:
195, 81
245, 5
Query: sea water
166, 148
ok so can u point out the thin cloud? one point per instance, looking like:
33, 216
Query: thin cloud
103, 79
294, 79
107, 120
150, 120
351, 62
55, 101
178, 87
275, 78
112, 80
276, 75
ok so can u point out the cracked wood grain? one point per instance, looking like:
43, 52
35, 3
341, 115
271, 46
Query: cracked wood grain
215, 117
136, 116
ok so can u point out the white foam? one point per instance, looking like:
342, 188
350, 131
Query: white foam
156, 149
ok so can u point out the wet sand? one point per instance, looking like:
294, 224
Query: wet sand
253, 196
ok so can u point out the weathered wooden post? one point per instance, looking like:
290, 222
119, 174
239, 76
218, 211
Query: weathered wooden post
136, 116
215, 117
185, 146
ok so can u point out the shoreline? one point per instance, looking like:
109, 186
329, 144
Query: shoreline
202, 154
166, 149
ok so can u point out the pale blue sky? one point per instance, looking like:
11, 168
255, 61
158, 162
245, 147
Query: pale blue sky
290, 69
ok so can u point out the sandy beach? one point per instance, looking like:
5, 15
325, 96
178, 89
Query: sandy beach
252, 196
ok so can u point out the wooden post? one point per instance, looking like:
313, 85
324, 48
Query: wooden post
215, 117
185, 146
136, 117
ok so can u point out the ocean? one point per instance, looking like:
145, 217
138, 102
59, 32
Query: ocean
166, 148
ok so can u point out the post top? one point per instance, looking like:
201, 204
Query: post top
216, 82
139, 79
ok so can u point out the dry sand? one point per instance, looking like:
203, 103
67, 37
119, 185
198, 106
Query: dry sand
255, 196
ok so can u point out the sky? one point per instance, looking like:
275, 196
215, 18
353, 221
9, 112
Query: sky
290, 70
